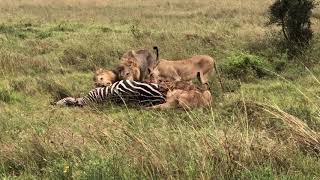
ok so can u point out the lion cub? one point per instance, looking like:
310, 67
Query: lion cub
183, 70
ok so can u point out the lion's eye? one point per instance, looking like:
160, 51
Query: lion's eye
101, 79
127, 74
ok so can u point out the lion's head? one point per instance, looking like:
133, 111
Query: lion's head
104, 77
153, 76
129, 70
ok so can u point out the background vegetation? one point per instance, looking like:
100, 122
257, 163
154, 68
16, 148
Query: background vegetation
266, 125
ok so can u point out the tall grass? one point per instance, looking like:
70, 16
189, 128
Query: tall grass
264, 128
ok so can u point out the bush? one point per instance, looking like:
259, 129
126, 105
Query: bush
245, 67
294, 18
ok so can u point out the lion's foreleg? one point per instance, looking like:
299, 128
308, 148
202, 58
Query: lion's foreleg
203, 78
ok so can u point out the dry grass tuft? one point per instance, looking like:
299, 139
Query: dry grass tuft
301, 132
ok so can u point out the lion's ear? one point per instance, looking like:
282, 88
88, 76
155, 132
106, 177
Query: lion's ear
116, 73
130, 54
99, 70
133, 53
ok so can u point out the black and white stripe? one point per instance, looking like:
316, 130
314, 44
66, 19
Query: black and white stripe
124, 91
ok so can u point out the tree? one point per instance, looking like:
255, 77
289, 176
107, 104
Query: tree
294, 18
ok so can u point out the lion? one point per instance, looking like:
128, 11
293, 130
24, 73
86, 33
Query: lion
103, 77
129, 69
181, 94
200, 66
135, 64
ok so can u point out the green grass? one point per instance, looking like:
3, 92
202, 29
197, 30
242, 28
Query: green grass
49, 49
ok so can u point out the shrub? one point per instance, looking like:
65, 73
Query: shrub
245, 67
294, 18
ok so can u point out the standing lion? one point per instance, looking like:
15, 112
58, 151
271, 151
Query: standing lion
135, 64
200, 66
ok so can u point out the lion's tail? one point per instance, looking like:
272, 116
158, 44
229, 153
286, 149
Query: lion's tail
157, 52
219, 77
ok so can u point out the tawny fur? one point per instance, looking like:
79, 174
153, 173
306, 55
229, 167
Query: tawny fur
183, 70
178, 98
129, 70
103, 77
184, 95
135, 64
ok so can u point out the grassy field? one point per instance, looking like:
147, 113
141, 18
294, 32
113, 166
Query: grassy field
260, 128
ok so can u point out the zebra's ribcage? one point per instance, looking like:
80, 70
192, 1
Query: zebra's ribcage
127, 91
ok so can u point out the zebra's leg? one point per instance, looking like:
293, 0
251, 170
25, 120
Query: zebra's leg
70, 101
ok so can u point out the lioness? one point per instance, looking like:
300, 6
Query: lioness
103, 77
183, 70
184, 95
135, 64
127, 70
